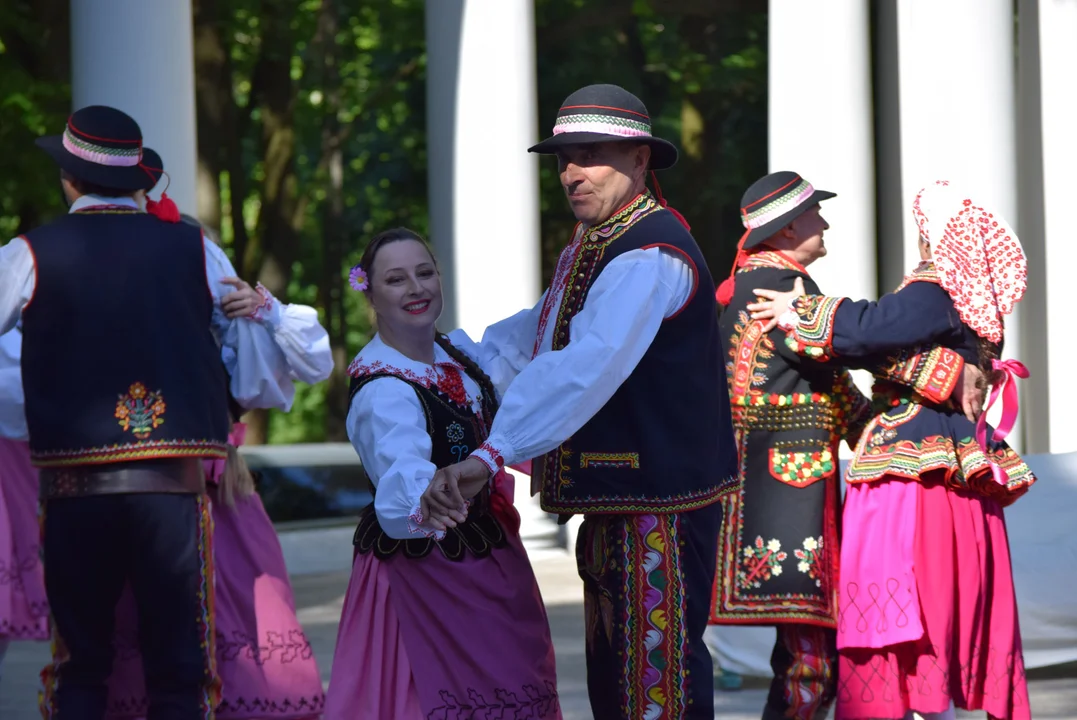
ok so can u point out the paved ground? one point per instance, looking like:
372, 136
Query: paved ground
319, 597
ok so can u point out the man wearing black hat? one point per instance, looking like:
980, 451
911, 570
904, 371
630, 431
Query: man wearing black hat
778, 546
624, 410
125, 394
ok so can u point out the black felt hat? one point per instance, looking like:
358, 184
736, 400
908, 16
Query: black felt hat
771, 203
774, 201
103, 146
606, 113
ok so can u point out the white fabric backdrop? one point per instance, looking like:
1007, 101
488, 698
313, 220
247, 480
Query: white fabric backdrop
1043, 547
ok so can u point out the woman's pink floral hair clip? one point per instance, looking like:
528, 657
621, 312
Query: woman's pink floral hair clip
358, 279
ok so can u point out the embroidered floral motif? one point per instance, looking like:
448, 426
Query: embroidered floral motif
761, 562
455, 433
809, 558
798, 467
140, 411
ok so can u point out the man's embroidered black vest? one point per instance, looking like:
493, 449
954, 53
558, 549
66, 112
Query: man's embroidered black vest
455, 430
118, 361
664, 441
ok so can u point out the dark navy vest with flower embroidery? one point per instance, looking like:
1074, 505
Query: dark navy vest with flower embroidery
455, 430
118, 360
664, 442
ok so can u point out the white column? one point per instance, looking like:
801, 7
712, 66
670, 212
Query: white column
820, 125
958, 112
1048, 61
481, 97
137, 56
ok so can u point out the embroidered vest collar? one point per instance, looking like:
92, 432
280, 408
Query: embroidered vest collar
579, 266
640, 206
924, 272
771, 259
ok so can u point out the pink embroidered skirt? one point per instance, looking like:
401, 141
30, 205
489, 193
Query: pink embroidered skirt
429, 638
927, 610
265, 662
24, 609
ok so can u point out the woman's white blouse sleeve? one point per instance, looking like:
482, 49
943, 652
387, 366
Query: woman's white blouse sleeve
266, 354
506, 346
387, 427
302, 339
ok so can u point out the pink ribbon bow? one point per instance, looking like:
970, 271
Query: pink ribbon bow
1007, 389
238, 434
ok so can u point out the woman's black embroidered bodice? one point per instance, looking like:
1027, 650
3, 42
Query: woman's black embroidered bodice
455, 431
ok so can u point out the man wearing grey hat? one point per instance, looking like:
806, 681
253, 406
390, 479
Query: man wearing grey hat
614, 385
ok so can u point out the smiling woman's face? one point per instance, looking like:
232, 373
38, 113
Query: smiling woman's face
405, 288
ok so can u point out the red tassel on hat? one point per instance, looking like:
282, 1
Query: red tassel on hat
164, 209
724, 294
663, 203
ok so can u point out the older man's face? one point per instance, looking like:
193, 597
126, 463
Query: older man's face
601, 178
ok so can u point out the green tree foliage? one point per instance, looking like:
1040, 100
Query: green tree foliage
312, 133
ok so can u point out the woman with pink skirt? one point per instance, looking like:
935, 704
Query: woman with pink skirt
265, 663
24, 610
927, 609
438, 622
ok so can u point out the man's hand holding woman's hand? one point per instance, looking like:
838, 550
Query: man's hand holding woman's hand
444, 504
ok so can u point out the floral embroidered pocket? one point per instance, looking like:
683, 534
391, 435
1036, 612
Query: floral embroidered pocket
799, 467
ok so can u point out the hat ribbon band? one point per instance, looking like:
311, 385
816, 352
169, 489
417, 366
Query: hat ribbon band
99, 154
778, 207
604, 124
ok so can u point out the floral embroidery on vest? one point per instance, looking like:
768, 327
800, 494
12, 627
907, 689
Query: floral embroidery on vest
140, 411
761, 562
810, 557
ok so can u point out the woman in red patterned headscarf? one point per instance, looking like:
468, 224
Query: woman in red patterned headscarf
928, 614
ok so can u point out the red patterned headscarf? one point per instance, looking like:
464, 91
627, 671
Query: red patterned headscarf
978, 257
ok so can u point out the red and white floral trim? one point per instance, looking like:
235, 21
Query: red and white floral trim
264, 308
489, 456
415, 525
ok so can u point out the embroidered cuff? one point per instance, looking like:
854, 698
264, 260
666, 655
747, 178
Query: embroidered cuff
268, 311
810, 332
415, 522
489, 456
937, 373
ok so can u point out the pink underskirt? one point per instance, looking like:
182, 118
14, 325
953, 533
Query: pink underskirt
264, 659
431, 637
928, 613
24, 609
